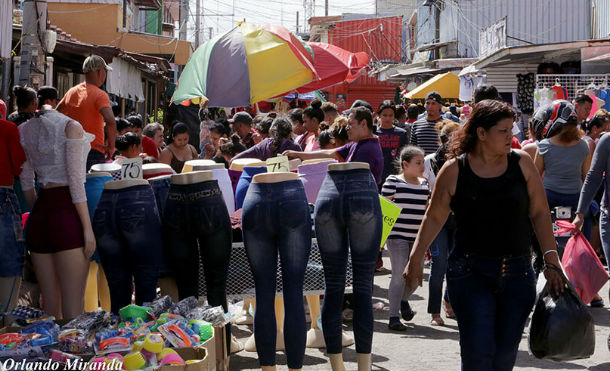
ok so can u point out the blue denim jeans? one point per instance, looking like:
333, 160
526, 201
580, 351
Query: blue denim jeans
491, 298
276, 219
560, 199
128, 232
160, 188
11, 235
244, 182
94, 186
348, 220
604, 234
439, 253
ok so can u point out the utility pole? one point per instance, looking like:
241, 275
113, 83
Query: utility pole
197, 16
297, 21
32, 64
6, 34
326, 8
210, 29
183, 16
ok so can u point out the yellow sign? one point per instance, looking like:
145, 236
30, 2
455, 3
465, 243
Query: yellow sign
278, 164
390, 213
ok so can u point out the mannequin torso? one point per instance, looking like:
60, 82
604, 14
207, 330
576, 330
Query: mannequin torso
274, 177
240, 163
158, 168
192, 177
101, 173
208, 167
348, 166
317, 160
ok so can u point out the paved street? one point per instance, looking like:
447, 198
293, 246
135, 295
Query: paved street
424, 347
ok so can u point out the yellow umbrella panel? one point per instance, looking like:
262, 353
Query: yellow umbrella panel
447, 85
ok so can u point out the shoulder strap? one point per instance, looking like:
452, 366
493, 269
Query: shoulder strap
194, 152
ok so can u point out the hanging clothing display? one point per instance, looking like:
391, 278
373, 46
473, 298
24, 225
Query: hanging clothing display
128, 233
276, 219
348, 220
559, 92
525, 93
466, 88
542, 97
224, 182
605, 96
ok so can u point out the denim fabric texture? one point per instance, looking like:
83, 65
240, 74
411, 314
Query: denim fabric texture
244, 182
560, 199
11, 235
197, 230
439, 253
160, 188
348, 220
492, 298
127, 228
276, 219
94, 186
399, 249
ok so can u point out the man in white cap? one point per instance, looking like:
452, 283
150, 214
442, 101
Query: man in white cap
90, 106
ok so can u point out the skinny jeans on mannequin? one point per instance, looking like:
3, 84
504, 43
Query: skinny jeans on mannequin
128, 232
197, 228
276, 219
491, 298
439, 253
348, 220
244, 182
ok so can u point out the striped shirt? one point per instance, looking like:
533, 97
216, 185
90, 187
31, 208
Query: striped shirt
412, 199
425, 136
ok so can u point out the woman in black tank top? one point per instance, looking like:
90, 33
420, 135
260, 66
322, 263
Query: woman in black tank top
497, 197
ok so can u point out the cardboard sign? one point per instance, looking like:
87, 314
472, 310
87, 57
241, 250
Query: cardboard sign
390, 213
278, 164
131, 168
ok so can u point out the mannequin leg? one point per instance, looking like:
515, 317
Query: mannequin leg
315, 337
72, 268
168, 287
103, 289
364, 361
91, 290
245, 318
46, 275
279, 322
336, 362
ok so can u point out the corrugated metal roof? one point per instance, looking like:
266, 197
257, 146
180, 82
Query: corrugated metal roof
601, 19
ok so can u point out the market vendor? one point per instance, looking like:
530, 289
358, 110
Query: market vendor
363, 146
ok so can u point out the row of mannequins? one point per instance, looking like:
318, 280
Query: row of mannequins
163, 227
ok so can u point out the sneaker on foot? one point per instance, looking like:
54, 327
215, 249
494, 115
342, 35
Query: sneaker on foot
396, 325
406, 312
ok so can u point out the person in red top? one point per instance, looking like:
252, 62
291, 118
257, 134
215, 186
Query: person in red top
148, 144
90, 106
12, 158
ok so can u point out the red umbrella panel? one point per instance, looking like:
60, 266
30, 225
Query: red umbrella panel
334, 65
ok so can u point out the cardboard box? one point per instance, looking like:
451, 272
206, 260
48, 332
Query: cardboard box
217, 349
199, 354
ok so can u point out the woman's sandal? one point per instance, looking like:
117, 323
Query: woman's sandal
437, 321
448, 310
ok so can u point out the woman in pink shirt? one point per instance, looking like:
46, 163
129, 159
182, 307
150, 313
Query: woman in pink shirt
312, 117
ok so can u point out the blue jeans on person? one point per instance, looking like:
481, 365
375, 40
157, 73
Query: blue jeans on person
348, 220
276, 219
11, 235
439, 253
491, 298
160, 188
604, 234
94, 186
244, 182
95, 157
127, 228
561, 199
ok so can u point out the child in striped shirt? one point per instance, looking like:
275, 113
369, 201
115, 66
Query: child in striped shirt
410, 191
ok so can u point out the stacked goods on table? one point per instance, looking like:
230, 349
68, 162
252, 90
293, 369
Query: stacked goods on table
149, 337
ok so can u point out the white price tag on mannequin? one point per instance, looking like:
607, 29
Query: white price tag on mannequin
131, 168
278, 164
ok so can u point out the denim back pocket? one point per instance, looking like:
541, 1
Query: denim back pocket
458, 268
131, 218
361, 208
294, 213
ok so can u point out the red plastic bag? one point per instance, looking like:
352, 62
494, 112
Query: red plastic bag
582, 266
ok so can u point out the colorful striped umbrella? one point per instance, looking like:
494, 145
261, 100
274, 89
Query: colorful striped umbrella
246, 65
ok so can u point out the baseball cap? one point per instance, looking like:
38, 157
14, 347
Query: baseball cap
94, 63
46, 92
435, 96
242, 117
359, 103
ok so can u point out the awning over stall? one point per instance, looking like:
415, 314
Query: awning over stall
447, 85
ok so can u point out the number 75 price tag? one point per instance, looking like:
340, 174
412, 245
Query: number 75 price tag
278, 164
131, 168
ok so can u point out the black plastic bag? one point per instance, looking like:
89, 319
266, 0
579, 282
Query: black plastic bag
562, 328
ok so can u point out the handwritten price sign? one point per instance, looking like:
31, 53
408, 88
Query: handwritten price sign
131, 168
278, 164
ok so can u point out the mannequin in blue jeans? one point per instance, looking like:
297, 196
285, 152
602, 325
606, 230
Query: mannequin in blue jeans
490, 278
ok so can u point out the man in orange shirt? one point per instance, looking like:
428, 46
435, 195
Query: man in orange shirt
90, 106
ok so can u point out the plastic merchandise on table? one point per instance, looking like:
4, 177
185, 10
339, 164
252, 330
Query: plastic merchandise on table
163, 318
31, 354
132, 312
75, 341
216, 315
62, 357
113, 341
184, 306
178, 334
90, 321
24, 313
202, 328
161, 305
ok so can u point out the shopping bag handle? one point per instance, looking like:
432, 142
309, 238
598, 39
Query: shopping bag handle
565, 227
